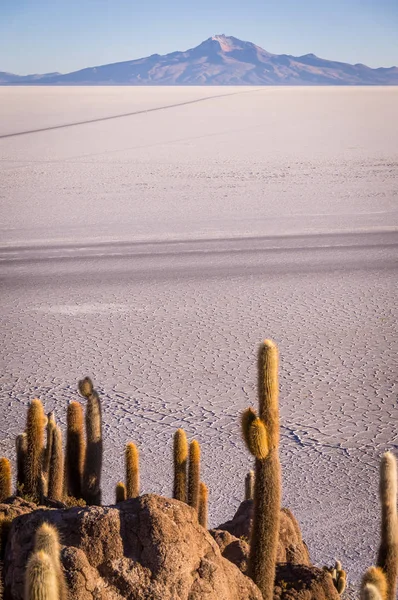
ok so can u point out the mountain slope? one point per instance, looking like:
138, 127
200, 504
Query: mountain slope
220, 60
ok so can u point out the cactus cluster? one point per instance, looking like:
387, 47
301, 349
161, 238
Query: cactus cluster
339, 576
45, 474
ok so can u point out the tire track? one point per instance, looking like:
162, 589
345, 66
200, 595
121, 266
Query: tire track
121, 116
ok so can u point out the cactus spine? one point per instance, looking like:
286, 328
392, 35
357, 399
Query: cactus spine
375, 577
75, 450
41, 580
47, 540
261, 434
5, 479
91, 485
388, 550
194, 474
132, 471
21, 446
56, 473
180, 456
203, 504
35, 446
120, 492
249, 486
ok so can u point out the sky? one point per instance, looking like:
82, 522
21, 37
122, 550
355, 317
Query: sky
42, 36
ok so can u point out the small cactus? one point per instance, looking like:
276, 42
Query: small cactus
194, 474
132, 471
41, 578
47, 540
180, 456
261, 435
387, 557
56, 474
35, 424
5, 479
249, 485
375, 577
203, 504
21, 446
75, 450
91, 484
121, 495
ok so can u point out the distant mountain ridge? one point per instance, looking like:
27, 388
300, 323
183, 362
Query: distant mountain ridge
219, 60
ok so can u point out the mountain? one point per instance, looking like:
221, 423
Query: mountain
220, 60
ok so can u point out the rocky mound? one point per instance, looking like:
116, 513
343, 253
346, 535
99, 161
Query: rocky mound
147, 548
153, 548
291, 548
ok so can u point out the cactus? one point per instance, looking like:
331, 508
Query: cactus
35, 446
261, 434
56, 474
370, 592
91, 483
132, 471
194, 474
41, 579
120, 491
249, 485
5, 479
21, 447
180, 455
387, 557
47, 540
86, 387
75, 450
203, 504
376, 578
47, 452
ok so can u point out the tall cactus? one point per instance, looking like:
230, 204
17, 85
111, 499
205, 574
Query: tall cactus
194, 474
56, 473
180, 456
47, 540
48, 451
91, 485
41, 579
261, 434
375, 577
387, 557
35, 424
21, 446
75, 450
249, 485
203, 504
132, 471
5, 479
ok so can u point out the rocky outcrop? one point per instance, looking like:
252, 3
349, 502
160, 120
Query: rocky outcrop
147, 548
301, 582
291, 547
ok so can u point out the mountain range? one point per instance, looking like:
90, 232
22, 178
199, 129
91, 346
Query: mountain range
220, 60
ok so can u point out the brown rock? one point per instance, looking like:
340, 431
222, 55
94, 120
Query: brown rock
149, 548
291, 548
301, 582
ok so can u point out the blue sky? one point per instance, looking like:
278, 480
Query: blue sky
38, 36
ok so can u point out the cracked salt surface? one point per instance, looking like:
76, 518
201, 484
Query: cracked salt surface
157, 270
